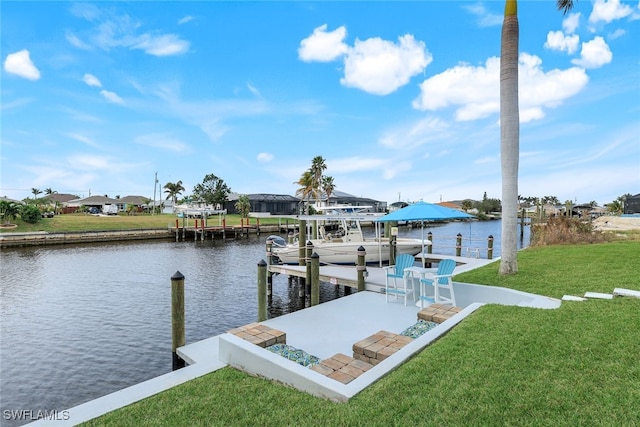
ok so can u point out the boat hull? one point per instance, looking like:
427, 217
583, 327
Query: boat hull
347, 253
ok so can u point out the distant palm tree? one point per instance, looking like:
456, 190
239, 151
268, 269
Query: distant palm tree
243, 206
328, 186
510, 132
35, 192
8, 211
306, 185
49, 191
173, 190
318, 166
616, 207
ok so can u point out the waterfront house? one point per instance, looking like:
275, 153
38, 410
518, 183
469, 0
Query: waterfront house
632, 205
276, 204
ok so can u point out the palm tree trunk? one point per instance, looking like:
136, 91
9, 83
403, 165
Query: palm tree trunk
509, 138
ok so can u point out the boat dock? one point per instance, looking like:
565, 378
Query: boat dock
326, 330
374, 276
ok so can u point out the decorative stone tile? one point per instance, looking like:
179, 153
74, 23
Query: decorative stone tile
260, 335
322, 369
341, 376
419, 328
379, 346
438, 313
343, 368
296, 355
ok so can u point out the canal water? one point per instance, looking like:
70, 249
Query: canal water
78, 322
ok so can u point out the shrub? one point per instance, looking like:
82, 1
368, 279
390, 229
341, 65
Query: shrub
564, 230
30, 214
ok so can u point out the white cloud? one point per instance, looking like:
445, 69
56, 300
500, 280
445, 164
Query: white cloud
571, 22
89, 162
323, 46
594, 54
76, 42
111, 97
91, 80
485, 18
380, 67
164, 45
485, 160
617, 34
112, 31
186, 19
475, 91
608, 10
254, 90
264, 157
539, 89
19, 63
83, 139
163, 141
556, 40
415, 134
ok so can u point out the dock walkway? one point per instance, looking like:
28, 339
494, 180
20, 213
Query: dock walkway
375, 276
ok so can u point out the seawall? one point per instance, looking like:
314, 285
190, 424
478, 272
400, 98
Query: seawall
8, 240
38, 238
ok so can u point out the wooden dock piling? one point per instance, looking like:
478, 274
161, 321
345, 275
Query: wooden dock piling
269, 273
361, 268
315, 279
262, 291
177, 318
309, 252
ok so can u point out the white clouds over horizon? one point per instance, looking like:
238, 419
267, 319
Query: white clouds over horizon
20, 64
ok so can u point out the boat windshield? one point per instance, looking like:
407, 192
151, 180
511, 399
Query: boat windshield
278, 241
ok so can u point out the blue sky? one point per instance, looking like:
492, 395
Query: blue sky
400, 98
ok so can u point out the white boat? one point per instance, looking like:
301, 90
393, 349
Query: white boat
341, 246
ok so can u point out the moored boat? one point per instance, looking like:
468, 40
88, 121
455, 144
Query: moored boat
341, 246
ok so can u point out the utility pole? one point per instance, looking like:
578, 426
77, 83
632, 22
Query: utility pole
155, 184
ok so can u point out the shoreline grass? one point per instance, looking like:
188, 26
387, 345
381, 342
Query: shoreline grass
86, 222
503, 365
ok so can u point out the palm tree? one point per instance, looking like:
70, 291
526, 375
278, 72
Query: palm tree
318, 166
510, 132
8, 211
616, 207
243, 206
49, 191
306, 185
328, 186
173, 190
35, 192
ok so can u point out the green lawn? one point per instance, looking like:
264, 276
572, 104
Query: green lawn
576, 365
85, 222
